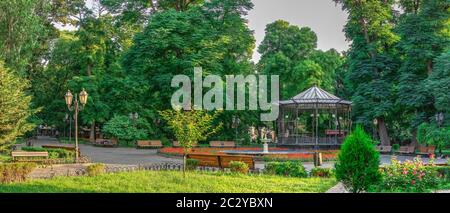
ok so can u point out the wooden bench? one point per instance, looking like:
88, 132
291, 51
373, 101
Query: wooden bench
29, 156
68, 148
333, 132
149, 144
105, 142
406, 150
384, 149
221, 160
177, 144
426, 150
222, 144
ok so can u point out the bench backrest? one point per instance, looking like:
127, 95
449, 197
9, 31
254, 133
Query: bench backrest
28, 154
222, 144
149, 143
102, 140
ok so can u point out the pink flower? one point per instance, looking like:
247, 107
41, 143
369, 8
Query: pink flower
413, 182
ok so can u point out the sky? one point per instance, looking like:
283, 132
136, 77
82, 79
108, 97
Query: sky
324, 17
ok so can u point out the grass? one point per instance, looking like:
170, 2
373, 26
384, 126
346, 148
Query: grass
173, 182
4, 158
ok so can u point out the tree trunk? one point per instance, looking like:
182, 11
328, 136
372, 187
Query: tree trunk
92, 132
382, 131
184, 165
414, 137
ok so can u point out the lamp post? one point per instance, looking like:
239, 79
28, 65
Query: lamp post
133, 117
439, 119
76, 108
236, 121
375, 125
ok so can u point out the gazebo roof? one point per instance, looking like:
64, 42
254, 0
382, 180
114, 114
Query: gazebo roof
316, 96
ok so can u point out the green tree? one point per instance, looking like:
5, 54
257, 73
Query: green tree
438, 83
423, 38
358, 161
123, 129
290, 52
214, 37
14, 107
372, 62
190, 127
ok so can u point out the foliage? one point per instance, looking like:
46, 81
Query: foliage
431, 134
357, 164
15, 172
14, 107
173, 182
290, 52
191, 164
52, 153
122, 128
322, 172
190, 127
286, 168
395, 147
438, 82
238, 167
444, 172
409, 176
422, 30
96, 169
372, 64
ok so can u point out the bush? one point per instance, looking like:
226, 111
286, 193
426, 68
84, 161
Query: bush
96, 169
15, 172
358, 162
52, 153
123, 129
395, 147
238, 167
287, 168
191, 164
444, 172
410, 176
322, 172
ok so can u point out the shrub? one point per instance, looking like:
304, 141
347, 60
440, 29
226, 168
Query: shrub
358, 162
410, 176
123, 129
322, 172
287, 168
15, 172
191, 164
96, 169
52, 153
238, 167
395, 147
444, 172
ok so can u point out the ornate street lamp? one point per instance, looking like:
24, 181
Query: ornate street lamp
76, 108
235, 123
133, 117
439, 119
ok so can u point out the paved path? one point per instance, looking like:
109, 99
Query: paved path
133, 156
124, 156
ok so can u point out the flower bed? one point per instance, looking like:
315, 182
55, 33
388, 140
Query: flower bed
326, 155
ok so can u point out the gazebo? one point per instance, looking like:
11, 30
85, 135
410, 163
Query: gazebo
314, 119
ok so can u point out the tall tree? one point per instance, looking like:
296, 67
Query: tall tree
422, 29
14, 107
290, 52
372, 65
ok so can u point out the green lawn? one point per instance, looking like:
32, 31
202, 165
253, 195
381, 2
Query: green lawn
173, 182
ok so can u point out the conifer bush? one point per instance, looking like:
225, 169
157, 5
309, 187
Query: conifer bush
357, 166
